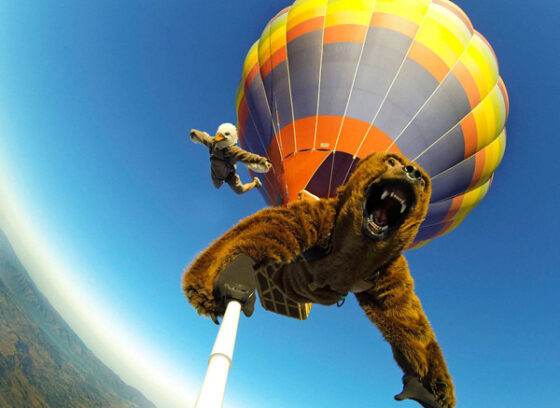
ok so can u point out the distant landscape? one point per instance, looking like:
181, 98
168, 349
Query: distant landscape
43, 363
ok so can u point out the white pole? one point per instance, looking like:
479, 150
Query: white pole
213, 388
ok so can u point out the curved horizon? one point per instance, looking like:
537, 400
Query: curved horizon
112, 340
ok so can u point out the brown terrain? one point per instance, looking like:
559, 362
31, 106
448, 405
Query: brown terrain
43, 363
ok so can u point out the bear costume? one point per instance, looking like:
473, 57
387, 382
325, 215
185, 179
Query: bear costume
224, 153
320, 250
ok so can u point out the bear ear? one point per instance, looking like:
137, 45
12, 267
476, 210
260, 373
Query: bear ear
341, 191
369, 157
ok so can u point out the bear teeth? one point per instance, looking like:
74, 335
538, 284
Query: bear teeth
401, 200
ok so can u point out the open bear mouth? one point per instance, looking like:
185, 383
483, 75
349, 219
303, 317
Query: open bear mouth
386, 206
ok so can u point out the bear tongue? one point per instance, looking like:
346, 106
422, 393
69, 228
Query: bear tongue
380, 217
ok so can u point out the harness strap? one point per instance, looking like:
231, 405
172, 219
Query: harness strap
324, 248
341, 301
368, 282
319, 250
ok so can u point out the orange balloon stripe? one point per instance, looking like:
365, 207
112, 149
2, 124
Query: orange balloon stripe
328, 127
429, 60
395, 23
345, 33
447, 227
251, 75
242, 113
375, 141
457, 215
299, 169
273, 61
327, 131
415, 245
352, 135
469, 85
470, 134
455, 206
305, 27
286, 136
305, 131
487, 160
394, 149
480, 159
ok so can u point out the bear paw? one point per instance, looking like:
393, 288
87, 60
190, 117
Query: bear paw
202, 300
443, 391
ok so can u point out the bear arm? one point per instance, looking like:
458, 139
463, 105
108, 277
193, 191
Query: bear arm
396, 310
271, 235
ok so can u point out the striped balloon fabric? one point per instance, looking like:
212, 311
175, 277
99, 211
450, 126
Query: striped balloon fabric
331, 81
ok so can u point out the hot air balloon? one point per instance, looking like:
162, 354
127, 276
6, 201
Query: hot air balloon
331, 81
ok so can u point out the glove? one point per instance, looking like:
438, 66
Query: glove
414, 390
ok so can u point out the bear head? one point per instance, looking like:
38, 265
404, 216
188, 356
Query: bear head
384, 202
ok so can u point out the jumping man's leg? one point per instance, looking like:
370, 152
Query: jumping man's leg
236, 185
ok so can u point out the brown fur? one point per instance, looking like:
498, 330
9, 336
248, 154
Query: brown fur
276, 238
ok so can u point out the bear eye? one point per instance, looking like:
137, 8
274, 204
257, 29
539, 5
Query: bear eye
391, 162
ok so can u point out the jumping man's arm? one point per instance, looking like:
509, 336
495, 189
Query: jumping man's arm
202, 138
251, 160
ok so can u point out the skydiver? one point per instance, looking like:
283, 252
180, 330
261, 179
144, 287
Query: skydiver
224, 153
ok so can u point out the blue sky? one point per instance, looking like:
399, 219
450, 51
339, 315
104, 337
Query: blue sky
106, 201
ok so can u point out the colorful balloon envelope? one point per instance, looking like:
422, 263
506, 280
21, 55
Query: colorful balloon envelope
331, 81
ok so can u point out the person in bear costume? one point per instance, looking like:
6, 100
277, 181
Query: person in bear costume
320, 250
224, 153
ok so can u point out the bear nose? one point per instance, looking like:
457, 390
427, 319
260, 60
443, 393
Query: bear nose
412, 172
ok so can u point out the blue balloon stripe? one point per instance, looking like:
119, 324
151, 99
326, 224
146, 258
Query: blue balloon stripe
437, 211
454, 181
337, 72
447, 152
384, 51
428, 232
251, 139
259, 112
410, 90
304, 55
444, 109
